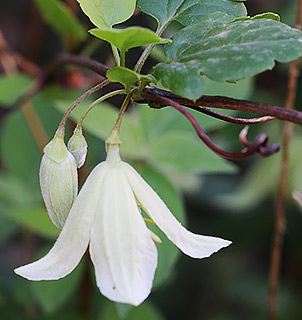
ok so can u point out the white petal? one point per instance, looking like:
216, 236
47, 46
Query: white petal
194, 245
74, 237
121, 248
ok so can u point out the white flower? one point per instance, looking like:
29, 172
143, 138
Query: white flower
106, 216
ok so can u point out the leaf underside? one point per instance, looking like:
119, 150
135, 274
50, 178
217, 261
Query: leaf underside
107, 13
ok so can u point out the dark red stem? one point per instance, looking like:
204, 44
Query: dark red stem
257, 146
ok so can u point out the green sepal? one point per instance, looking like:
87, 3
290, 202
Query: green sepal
56, 149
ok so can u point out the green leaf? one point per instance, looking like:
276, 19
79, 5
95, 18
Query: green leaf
106, 13
57, 15
187, 11
226, 51
242, 89
183, 152
19, 152
125, 39
182, 79
14, 193
266, 15
129, 78
12, 87
36, 219
167, 251
52, 295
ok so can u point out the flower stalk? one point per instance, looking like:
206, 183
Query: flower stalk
61, 128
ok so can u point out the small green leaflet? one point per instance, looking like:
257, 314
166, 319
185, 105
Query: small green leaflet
225, 50
107, 13
188, 11
128, 78
125, 39
59, 18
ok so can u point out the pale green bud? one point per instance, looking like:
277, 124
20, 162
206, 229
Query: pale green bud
77, 145
58, 180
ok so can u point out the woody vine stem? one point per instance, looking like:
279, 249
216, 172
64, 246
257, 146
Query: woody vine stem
280, 221
159, 98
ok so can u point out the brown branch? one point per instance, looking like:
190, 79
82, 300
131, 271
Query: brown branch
205, 101
230, 104
12, 60
7, 60
88, 63
280, 220
44, 77
26, 65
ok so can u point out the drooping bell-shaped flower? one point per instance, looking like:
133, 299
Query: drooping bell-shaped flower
77, 145
106, 216
58, 180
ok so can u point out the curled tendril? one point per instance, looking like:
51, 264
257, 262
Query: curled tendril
259, 145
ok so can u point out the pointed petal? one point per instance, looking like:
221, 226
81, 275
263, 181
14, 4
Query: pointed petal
194, 245
74, 237
121, 248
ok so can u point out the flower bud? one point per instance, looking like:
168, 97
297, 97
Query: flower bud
77, 145
58, 180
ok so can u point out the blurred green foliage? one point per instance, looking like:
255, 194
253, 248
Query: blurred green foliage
222, 198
